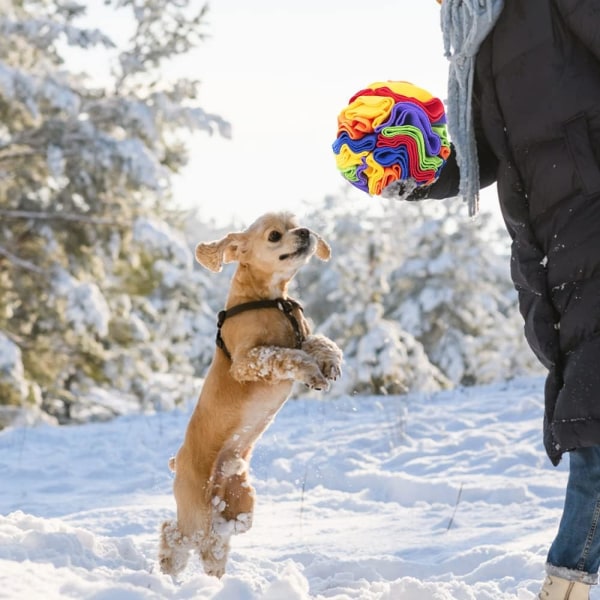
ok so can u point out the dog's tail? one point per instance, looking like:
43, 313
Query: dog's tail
172, 464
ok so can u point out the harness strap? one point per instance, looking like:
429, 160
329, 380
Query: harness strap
285, 305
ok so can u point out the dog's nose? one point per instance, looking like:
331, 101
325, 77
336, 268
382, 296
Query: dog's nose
303, 233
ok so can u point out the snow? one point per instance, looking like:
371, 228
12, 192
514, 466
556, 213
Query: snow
163, 241
87, 308
439, 496
11, 366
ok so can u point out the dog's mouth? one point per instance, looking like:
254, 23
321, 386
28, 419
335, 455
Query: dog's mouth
302, 249
303, 245
297, 254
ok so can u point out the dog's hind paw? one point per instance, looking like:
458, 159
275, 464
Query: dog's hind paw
173, 553
243, 523
213, 552
227, 527
214, 569
173, 560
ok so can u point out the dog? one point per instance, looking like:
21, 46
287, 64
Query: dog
263, 345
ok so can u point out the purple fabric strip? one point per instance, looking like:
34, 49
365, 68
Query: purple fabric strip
407, 113
363, 180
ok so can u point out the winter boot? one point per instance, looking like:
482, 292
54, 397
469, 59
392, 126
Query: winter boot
557, 588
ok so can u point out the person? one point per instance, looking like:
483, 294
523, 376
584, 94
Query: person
523, 111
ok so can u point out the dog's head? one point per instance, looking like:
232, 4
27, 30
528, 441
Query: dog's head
274, 243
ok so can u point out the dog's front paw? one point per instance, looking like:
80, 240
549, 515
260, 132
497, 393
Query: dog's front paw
331, 369
327, 355
315, 380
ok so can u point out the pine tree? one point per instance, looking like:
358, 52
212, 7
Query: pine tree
453, 293
347, 299
85, 170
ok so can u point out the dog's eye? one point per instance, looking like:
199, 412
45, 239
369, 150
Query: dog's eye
274, 236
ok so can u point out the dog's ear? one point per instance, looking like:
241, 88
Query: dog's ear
323, 250
212, 255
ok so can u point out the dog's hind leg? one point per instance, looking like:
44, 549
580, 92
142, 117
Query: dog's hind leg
180, 536
226, 521
232, 502
232, 494
214, 552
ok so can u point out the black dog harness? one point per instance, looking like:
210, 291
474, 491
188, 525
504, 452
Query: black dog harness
286, 306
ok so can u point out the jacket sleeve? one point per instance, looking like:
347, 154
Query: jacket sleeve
447, 184
583, 19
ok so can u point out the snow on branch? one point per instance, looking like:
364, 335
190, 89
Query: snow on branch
42, 33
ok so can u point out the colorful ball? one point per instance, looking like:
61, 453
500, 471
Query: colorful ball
391, 131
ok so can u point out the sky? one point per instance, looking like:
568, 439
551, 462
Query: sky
441, 496
281, 72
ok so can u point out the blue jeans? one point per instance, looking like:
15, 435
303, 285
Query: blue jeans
575, 552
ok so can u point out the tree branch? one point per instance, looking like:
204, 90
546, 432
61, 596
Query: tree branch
18, 155
20, 262
52, 216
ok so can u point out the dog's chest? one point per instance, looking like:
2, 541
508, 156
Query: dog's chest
263, 328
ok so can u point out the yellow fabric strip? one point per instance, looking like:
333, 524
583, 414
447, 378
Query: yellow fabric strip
404, 88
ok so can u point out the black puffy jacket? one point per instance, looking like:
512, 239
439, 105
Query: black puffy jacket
537, 104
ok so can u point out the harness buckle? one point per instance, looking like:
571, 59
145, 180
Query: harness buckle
285, 306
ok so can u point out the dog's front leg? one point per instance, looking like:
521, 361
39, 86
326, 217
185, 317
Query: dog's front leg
326, 353
274, 364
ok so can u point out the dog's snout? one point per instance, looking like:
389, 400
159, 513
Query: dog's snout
303, 233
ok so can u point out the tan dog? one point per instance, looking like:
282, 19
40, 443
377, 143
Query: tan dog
262, 350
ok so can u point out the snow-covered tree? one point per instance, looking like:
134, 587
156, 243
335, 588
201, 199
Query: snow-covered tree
101, 306
345, 299
85, 169
453, 293
417, 295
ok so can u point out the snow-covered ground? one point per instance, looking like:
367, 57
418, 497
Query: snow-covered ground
446, 496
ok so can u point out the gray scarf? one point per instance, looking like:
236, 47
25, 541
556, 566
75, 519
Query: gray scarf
465, 24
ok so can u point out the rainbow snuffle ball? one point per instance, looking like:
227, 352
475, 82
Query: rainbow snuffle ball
391, 131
